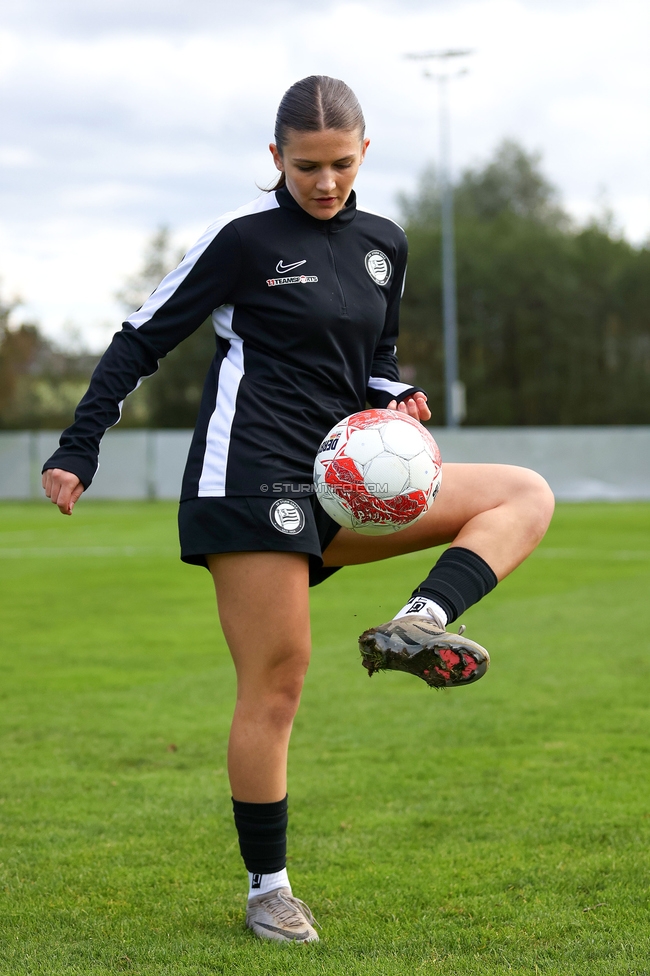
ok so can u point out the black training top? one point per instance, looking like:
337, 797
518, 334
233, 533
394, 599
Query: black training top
305, 313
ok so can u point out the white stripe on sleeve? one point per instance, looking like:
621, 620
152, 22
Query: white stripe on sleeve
388, 386
170, 283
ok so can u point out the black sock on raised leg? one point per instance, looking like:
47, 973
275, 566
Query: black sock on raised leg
458, 580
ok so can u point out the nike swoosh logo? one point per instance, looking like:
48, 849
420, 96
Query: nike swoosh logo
298, 936
283, 268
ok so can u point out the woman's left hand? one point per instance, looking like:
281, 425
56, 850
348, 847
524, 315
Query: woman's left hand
415, 406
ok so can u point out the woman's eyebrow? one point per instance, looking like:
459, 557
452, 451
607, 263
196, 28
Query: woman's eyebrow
300, 159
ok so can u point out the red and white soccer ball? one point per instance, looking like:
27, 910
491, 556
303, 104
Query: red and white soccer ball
377, 471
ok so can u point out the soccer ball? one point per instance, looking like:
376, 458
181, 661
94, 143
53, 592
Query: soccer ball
377, 471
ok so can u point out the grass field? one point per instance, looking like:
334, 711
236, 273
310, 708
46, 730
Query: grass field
501, 828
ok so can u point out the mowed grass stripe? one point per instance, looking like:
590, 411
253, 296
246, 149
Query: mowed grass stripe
498, 828
52, 552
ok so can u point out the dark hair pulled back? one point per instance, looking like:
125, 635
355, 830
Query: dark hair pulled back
314, 104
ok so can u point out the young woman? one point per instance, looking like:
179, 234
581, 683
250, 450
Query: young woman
303, 288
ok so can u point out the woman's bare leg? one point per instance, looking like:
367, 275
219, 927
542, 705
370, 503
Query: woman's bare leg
263, 600
499, 511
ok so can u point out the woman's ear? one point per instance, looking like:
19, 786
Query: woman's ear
364, 146
277, 158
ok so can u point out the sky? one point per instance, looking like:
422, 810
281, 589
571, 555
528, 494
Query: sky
119, 116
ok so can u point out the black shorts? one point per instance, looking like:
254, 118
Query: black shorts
233, 524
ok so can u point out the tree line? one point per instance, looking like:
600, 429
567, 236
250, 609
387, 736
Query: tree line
553, 318
40, 384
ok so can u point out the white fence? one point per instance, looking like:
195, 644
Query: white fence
580, 463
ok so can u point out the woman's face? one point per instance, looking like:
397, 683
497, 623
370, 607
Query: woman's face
320, 168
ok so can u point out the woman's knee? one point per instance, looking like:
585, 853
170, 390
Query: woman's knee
536, 499
280, 706
274, 707
274, 689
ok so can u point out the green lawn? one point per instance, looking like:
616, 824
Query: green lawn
501, 828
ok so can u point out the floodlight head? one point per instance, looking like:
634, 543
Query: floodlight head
441, 55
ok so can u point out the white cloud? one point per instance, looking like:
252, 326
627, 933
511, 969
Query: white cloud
82, 19
121, 116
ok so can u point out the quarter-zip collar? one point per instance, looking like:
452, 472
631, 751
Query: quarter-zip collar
331, 226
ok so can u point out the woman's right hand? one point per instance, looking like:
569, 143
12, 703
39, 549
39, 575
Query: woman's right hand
63, 488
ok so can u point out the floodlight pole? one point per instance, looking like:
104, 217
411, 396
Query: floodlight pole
453, 406
454, 389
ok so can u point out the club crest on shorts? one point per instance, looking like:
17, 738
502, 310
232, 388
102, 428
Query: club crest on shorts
287, 517
378, 267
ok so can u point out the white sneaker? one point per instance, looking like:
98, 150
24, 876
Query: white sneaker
278, 915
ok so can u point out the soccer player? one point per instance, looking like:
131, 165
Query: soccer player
303, 287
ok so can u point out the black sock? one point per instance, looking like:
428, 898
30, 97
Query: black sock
262, 829
459, 579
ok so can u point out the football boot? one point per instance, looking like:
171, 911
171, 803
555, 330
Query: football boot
419, 644
278, 915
